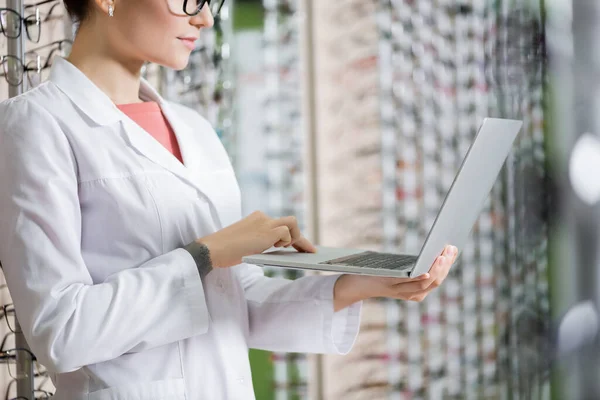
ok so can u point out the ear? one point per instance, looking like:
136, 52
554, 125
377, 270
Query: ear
104, 5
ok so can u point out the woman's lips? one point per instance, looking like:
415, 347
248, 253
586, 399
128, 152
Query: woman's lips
190, 43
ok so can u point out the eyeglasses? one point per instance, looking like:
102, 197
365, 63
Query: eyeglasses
39, 395
39, 392
11, 357
38, 63
12, 31
8, 313
51, 14
63, 46
193, 7
40, 374
13, 68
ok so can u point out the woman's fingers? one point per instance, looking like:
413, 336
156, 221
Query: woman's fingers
429, 281
444, 270
417, 296
283, 236
448, 258
292, 224
451, 252
416, 289
295, 238
412, 287
303, 245
399, 281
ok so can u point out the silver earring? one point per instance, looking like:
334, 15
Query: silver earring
111, 11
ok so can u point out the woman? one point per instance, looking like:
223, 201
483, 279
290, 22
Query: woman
122, 235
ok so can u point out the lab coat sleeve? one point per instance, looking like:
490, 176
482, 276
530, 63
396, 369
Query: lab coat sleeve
297, 316
69, 321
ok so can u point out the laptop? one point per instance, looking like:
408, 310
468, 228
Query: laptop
452, 226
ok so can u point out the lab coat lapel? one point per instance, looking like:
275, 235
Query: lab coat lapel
144, 143
212, 172
195, 169
199, 161
185, 139
191, 153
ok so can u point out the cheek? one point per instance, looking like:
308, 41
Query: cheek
161, 46
149, 31
152, 33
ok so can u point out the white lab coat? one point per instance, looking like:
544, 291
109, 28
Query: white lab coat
93, 212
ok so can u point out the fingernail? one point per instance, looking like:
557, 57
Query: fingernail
448, 251
454, 250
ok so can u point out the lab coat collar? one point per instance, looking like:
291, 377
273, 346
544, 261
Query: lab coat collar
94, 103
99, 107
86, 96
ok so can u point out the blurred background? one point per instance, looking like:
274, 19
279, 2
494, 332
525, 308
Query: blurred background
354, 115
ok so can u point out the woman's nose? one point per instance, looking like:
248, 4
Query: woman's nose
204, 19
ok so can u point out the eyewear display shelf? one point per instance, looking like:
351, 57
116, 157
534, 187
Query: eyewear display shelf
444, 68
283, 158
441, 67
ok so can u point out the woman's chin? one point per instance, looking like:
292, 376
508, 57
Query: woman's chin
177, 61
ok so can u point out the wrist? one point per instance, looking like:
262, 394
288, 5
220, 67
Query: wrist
346, 292
201, 255
212, 250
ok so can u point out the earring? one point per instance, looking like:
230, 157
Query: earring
111, 10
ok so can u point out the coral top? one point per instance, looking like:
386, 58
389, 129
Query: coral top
150, 117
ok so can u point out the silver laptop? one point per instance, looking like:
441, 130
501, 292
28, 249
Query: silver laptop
452, 226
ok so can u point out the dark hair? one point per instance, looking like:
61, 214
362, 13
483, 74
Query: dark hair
78, 9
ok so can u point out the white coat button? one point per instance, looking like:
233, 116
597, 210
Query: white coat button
220, 285
241, 381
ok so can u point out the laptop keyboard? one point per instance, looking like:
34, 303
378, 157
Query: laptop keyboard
371, 259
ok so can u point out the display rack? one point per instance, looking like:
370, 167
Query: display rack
282, 105
452, 66
351, 181
284, 165
441, 68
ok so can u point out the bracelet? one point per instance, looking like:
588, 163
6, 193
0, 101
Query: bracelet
201, 256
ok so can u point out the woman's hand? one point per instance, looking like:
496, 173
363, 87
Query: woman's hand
253, 235
350, 289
